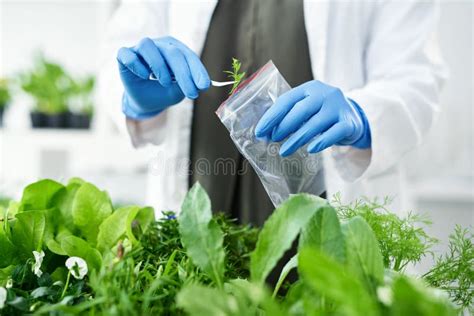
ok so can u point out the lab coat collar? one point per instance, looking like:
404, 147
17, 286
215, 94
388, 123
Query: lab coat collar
198, 15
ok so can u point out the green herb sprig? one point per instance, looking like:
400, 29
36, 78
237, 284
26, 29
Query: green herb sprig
454, 272
235, 74
402, 240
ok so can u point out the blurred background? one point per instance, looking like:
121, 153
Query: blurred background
58, 43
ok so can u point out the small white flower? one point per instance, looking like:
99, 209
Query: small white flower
38, 261
77, 266
9, 284
3, 296
385, 295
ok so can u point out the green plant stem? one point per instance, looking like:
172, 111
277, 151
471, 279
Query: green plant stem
66, 285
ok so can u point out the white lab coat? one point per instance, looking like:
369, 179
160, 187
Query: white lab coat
382, 54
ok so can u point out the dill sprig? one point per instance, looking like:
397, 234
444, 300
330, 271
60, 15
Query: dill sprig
235, 74
402, 240
454, 272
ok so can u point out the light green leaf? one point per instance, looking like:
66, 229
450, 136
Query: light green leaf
89, 209
324, 232
412, 297
54, 245
290, 265
198, 300
330, 279
115, 226
7, 250
76, 247
201, 235
253, 299
28, 232
143, 218
363, 253
39, 195
64, 200
279, 232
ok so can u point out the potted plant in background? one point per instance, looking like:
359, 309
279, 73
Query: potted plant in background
81, 104
5, 98
50, 86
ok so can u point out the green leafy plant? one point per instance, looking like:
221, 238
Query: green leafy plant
235, 75
55, 90
5, 95
80, 100
51, 223
49, 84
196, 263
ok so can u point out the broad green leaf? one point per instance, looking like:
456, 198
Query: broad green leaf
198, 300
363, 253
329, 278
412, 297
7, 250
55, 247
115, 226
76, 247
39, 195
28, 232
143, 219
54, 244
279, 232
64, 200
89, 209
324, 232
290, 265
252, 298
201, 235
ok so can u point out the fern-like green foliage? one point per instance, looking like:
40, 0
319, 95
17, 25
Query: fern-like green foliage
454, 271
402, 240
235, 74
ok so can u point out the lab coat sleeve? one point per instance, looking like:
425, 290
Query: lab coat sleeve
132, 21
403, 77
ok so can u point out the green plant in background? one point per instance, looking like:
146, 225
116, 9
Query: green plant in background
49, 84
203, 264
55, 90
81, 100
235, 75
5, 96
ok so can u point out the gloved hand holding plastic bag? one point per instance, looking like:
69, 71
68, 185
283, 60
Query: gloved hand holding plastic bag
240, 113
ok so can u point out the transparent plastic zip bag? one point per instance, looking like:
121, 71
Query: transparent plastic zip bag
240, 113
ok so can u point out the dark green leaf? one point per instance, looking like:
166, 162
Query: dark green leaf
329, 278
28, 232
324, 232
200, 234
7, 250
279, 232
363, 253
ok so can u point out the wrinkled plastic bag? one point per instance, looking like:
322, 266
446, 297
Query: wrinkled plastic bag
240, 113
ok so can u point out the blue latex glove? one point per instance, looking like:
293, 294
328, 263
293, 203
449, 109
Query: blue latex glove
179, 71
318, 113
